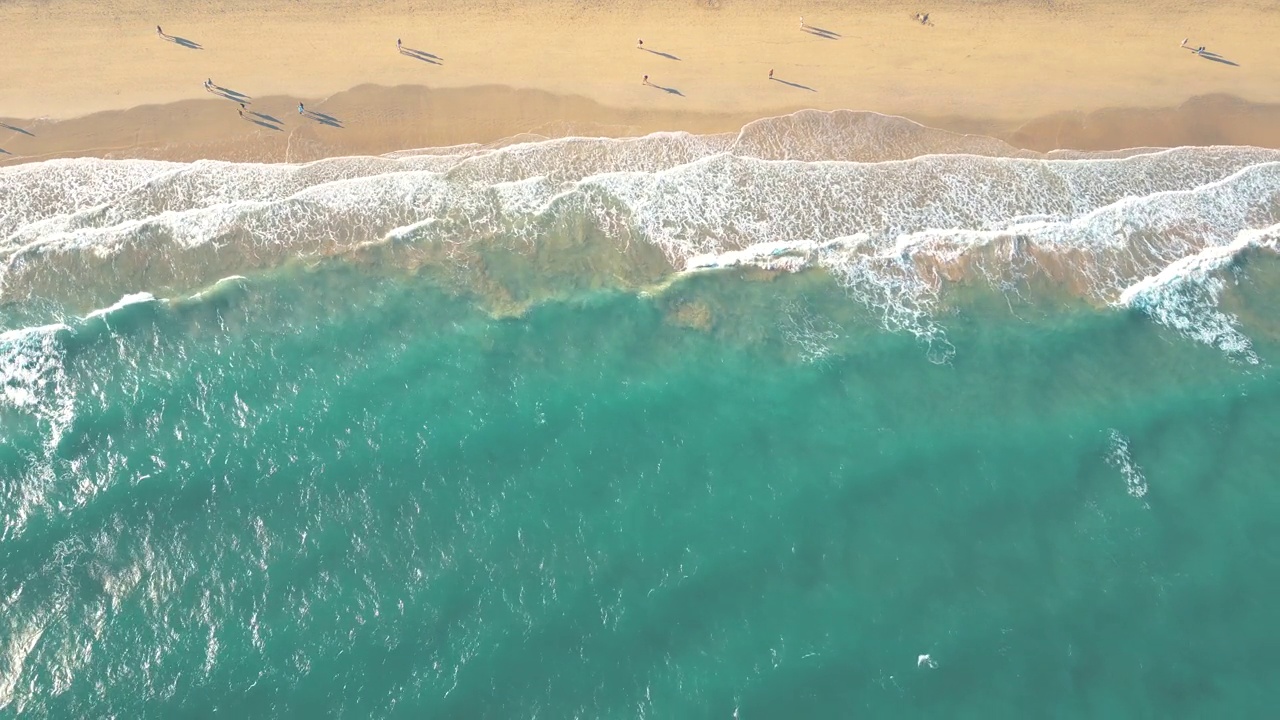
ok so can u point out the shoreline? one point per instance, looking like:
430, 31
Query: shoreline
373, 121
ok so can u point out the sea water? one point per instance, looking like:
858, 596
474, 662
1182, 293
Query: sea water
834, 417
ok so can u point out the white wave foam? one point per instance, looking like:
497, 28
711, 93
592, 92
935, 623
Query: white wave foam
33, 382
787, 256
1184, 295
23, 638
30, 365
810, 334
1120, 457
37, 191
849, 192
215, 288
1103, 251
127, 300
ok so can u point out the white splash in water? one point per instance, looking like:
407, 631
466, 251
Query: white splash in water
1185, 294
1119, 457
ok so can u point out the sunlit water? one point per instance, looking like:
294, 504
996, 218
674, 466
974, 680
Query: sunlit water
783, 424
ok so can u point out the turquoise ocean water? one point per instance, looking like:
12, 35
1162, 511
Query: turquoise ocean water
540, 475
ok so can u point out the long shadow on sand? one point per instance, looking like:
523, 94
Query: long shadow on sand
230, 94
267, 117
190, 44
667, 90
261, 123
423, 58
323, 119
793, 84
659, 53
422, 55
828, 34
15, 128
1218, 58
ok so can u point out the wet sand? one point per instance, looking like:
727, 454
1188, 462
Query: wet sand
85, 79
373, 120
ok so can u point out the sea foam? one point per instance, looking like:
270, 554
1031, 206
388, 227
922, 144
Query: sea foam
894, 210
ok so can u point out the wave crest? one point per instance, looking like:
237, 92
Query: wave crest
893, 209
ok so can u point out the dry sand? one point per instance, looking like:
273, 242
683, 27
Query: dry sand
92, 78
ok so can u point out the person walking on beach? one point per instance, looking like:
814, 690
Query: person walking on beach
1184, 42
399, 47
159, 32
301, 109
645, 81
802, 25
770, 73
640, 44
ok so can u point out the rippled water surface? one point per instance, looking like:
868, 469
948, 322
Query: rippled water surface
836, 416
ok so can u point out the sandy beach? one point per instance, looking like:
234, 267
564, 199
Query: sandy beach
81, 78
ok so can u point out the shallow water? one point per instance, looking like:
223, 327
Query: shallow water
462, 456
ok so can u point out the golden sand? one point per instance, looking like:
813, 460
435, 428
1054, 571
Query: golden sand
88, 78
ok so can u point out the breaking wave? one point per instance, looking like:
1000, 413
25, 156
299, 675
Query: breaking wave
897, 212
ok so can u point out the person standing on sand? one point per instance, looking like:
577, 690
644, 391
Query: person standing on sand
301, 109
645, 81
802, 25
399, 47
159, 32
1184, 42
770, 73
208, 85
640, 44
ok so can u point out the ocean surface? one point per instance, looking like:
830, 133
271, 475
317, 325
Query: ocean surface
838, 416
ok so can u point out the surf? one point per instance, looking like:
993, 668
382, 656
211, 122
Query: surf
897, 212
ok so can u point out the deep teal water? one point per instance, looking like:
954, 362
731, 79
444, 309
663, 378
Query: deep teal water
339, 494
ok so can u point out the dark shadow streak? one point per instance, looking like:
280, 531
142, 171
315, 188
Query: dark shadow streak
260, 123
229, 93
6, 152
17, 129
819, 31
267, 117
424, 58
824, 36
668, 56
668, 90
794, 85
1218, 58
324, 118
184, 42
424, 53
